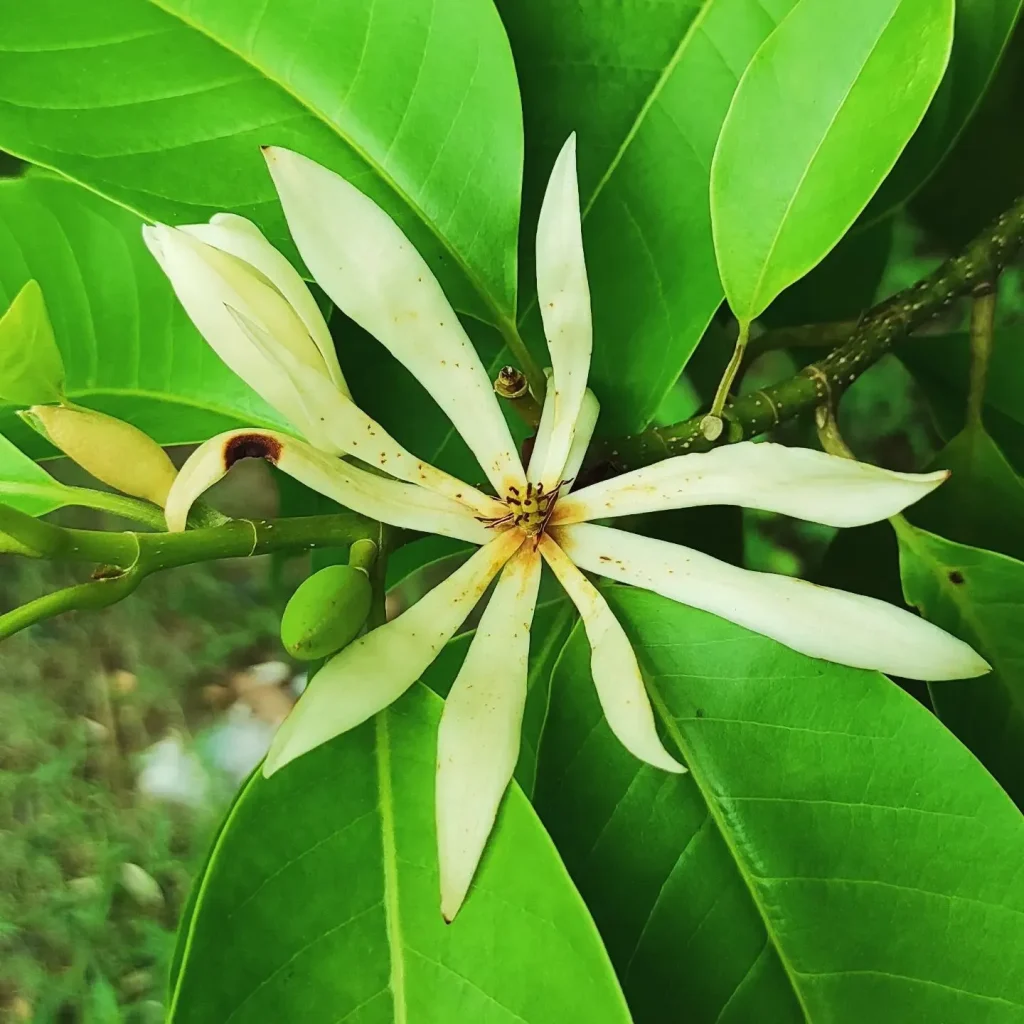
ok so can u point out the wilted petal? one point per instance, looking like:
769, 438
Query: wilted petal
478, 739
824, 623
241, 238
341, 426
209, 283
563, 295
364, 262
378, 668
391, 501
796, 482
613, 664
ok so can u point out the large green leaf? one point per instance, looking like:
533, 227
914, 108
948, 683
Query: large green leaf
981, 33
128, 347
647, 87
834, 855
26, 486
978, 596
820, 117
320, 903
414, 101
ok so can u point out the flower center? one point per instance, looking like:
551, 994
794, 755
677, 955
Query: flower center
529, 511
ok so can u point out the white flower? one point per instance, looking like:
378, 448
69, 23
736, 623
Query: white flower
373, 273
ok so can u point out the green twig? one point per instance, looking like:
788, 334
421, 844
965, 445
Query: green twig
135, 509
825, 380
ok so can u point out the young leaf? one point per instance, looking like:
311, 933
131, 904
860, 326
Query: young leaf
25, 485
795, 875
320, 902
820, 116
647, 87
31, 367
129, 348
415, 100
978, 596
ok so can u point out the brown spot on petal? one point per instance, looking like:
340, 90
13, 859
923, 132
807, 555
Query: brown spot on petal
251, 446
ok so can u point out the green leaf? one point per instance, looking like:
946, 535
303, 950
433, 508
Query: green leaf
834, 855
982, 503
415, 101
978, 596
128, 346
981, 33
320, 902
31, 368
941, 365
820, 117
26, 486
647, 87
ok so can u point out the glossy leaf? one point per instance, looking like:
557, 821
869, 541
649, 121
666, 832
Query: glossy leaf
26, 486
320, 902
821, 115
128, 348
834, 855
414, 101
982, 503
981, 34
31, 368
646, 86
978, 596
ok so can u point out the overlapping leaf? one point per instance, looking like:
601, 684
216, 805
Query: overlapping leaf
834, 855
320, 903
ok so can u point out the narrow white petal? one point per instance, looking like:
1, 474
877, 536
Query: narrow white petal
478, 739
542, 440
209, 283
391, 501
378, 668
796, 482
824, 623
364, 262
563, 295
617, 679
241, 238
582, 435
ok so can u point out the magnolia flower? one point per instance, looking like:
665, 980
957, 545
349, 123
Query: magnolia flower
368, 267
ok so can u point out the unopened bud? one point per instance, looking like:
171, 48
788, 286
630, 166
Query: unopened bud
326, 613
113, 451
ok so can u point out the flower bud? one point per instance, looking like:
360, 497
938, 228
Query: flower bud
113, 451
326, 613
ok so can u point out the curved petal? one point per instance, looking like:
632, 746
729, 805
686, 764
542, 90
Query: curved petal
563, 295
209, 283
797, 482
399, 504
241, 238
339, 425
378, 668
824, 623
478, 738
364, 262
620, 687
582, 435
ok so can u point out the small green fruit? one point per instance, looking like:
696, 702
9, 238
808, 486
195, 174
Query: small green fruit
326, 613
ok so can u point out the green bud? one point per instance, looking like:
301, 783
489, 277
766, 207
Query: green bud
113, 451
31, 367
326, 613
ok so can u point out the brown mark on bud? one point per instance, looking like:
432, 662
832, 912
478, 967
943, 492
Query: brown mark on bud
251, 446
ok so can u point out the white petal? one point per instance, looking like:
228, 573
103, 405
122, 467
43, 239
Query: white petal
241, 238
796, 482
613, 664
364, 262
478, 739
563, 295
209, 282
586, 423
824, 623
341, 426
399, 504
378, 668
542, 441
